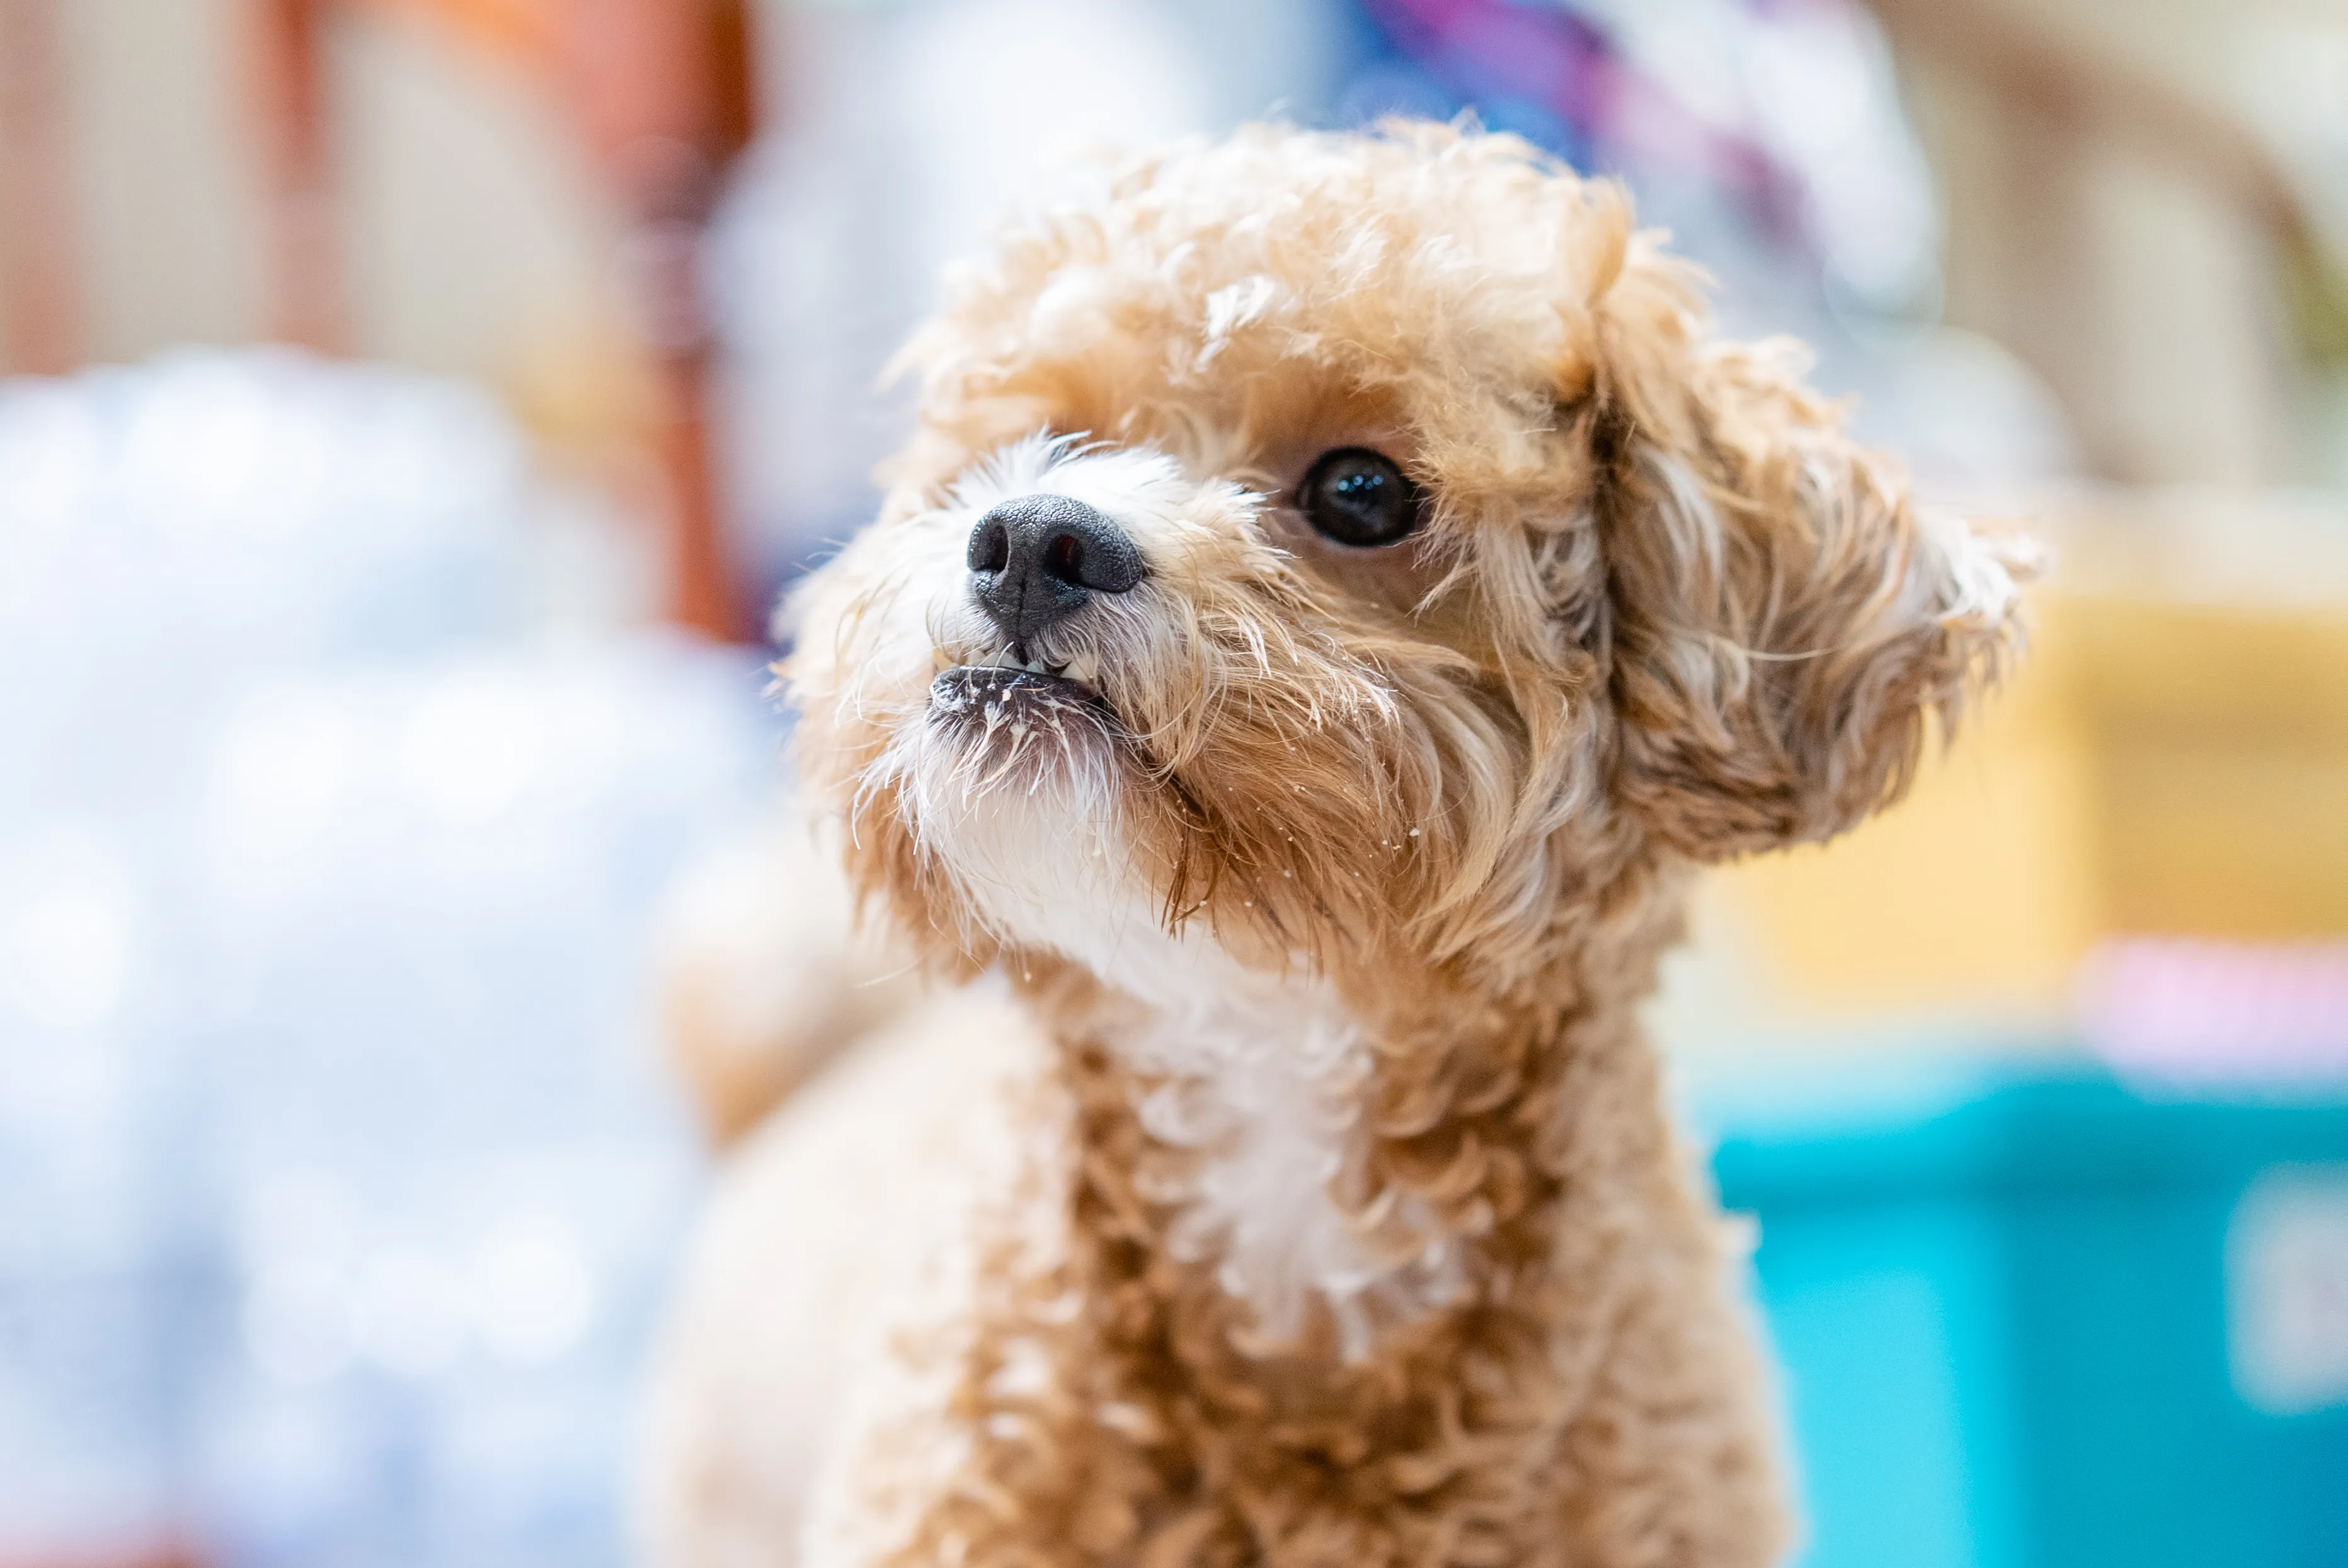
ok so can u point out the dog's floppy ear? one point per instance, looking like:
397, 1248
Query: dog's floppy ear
1784, 617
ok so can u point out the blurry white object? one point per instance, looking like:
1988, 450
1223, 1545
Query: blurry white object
2292, 84
2286, 1291
336, 1173
1813, 85
2292, 81
1968, 415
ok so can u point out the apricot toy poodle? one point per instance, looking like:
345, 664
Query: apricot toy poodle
1336, 597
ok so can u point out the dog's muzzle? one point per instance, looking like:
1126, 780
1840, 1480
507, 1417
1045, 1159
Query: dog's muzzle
1037, 560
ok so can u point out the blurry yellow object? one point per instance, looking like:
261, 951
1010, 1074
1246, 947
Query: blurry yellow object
2173, 758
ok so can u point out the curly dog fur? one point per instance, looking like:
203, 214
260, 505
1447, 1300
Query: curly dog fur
1291, 1186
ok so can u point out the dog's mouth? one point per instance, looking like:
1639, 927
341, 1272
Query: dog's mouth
996, 696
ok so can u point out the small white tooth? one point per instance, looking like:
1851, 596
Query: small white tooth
1082, 667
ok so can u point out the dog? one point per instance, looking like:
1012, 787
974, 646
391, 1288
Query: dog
1338, 596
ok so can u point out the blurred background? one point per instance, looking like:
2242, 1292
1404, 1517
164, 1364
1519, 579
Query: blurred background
412, 405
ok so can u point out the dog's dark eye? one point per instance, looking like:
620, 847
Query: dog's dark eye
1355, 496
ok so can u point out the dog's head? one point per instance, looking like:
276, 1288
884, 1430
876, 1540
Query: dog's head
1353, 548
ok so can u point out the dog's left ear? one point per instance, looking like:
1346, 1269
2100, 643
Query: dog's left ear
1784, 617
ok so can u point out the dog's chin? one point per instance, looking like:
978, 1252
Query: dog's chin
1020, 788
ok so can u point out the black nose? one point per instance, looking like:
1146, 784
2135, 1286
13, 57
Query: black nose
1036, 559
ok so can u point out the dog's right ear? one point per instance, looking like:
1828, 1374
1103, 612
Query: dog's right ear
1783, 616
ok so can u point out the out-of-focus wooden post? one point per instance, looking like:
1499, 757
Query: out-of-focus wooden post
662, 90
308, 304
38, 231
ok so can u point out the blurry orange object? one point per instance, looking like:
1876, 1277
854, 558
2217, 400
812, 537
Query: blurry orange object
37, 231
308, 304
525, 28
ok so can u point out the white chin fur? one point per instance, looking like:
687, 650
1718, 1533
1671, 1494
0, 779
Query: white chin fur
1039, 849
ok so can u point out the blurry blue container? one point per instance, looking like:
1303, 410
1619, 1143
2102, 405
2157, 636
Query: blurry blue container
2045, 1322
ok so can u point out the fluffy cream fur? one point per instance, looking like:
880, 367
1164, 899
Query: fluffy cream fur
1304, 1194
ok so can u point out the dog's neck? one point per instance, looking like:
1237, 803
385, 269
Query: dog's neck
1260, 1084
1333, 1175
